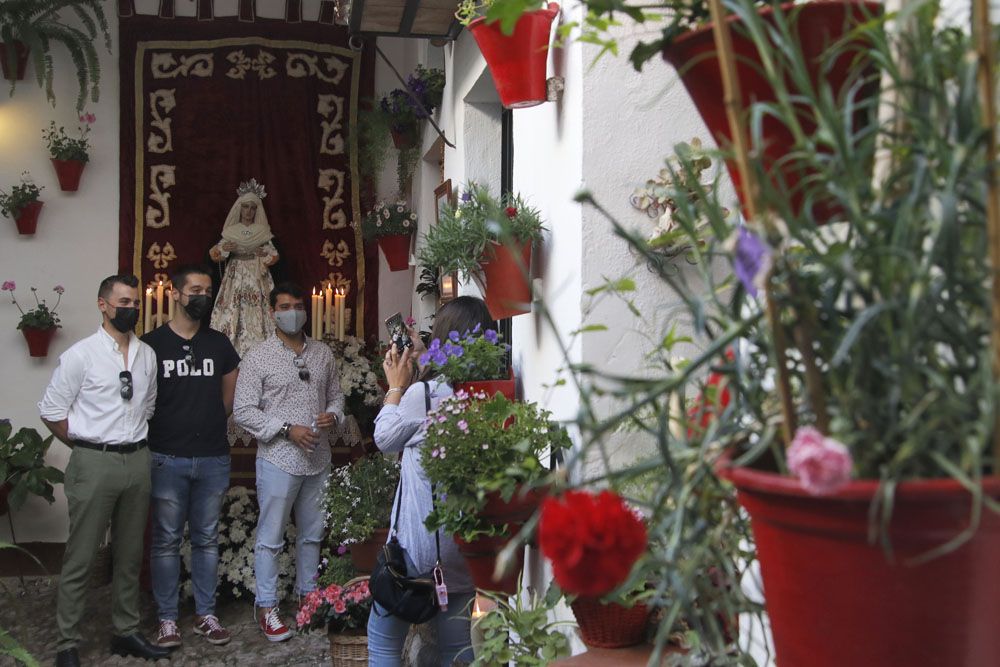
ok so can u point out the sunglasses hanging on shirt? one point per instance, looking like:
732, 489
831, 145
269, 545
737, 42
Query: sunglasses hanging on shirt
188, 353
300, 364
126, 380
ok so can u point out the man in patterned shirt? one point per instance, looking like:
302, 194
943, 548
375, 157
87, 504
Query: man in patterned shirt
288, 397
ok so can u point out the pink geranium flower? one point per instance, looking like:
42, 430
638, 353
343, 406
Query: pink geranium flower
822, 464
9, 286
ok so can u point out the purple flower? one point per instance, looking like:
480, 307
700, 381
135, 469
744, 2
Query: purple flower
453, 335
434, 453
491, 336
435, 345
477, 328
463, 426
466, 196
9, 286
439, 357
461, 394
424, 358
457, 351
341, 550
749, 258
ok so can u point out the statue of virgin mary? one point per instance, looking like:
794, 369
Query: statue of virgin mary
241, 308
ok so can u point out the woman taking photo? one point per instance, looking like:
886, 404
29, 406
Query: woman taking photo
399, 427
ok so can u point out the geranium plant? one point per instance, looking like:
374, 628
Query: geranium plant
63, 147
473, 355
388, 219
22, 464
335, 608
477, 446
359, 499
39, 317
20, 196
464, 234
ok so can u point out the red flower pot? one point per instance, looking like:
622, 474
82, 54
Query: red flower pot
15, 73
363, 554
818, 24
508, 286
68, 172
517, 61
490, 387
396, 248
610, 625
27, 218
835, 599
405, 139
38, 340
481, 556
517, 510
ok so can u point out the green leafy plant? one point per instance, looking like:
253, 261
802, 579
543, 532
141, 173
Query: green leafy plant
63, 147
405, 108
476, 446
359, 499
429, 284
472, 355
22, 464
20, 196
539, 640
38, 24
466, 231
492, 10
39, 317
388, 219
373, 143
335, 567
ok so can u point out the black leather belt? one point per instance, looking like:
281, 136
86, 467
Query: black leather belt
125, 448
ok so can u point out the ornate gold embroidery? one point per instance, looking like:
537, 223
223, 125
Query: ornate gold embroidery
161, 103
161, 258
300, 65
157, 278
332, 142
165, 66
337, 279
242, 64
160, 176
333, 215
335, 255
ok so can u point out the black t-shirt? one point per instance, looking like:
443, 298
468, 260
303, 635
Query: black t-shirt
190, 418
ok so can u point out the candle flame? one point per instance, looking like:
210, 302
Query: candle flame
161, 283
314, 291
149, 290
476, 609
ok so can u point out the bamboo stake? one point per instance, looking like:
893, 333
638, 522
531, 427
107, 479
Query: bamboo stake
733, 103
982, 30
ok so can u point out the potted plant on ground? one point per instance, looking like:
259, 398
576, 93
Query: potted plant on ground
69, 155
473, 362
488, 240
342, 610
392, 225
23, 471
358, 505
29, 28
516, 49
484, 457
528, 617
22, 204
38, 324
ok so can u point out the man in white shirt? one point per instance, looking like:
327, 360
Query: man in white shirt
98, 402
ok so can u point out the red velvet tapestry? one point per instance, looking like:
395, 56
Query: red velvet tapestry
206, 105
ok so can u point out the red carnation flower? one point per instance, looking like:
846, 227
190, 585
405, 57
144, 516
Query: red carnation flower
592, 541
708, 406
511, 212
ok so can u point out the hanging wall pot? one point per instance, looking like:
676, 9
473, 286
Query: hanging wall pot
38, 340
68, 173
27, 219
396, 248
508, 289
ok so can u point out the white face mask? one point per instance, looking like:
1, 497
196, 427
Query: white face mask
290, 321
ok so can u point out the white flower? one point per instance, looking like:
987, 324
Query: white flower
385, 214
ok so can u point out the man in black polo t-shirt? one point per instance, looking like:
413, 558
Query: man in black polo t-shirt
196, 377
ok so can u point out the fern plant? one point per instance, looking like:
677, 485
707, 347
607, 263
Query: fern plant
38, 24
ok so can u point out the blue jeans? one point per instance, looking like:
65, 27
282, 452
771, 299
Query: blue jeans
278, 493
386, 634
186, 490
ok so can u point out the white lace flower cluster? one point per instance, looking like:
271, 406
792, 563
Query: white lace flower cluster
237, 535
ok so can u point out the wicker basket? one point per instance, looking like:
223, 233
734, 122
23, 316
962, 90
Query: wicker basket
348, 650
610, 625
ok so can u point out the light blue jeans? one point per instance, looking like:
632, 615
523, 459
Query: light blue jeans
386, 634
186, 490
278, 493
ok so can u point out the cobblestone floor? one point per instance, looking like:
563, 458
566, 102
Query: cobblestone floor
28, 614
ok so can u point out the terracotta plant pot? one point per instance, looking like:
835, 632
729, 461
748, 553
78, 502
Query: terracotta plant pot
508, 289
490, 387
363, 554
27, 218
405, 139
818, 24
836, 599
38, 340
610, 625
481, 557
68, 172
517, 61
517, 510
15, 73
396, 248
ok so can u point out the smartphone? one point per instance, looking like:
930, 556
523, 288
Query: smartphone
397, 331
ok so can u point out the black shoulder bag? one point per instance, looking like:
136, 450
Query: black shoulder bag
412, 599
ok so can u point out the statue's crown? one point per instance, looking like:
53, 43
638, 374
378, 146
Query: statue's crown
251, 186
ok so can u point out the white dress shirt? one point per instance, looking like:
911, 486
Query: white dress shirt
86, 389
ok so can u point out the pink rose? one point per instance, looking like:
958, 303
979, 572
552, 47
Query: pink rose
822, 464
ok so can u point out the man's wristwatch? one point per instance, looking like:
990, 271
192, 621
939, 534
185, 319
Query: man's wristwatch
286, 428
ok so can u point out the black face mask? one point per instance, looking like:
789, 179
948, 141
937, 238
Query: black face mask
125, 318
197, 306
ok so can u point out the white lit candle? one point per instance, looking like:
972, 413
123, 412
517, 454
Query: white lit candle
478, 612
148, 319
328, 321
321, 320
170, 301
159, 303
341, 298
315, 313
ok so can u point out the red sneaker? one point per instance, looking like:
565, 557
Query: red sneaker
273, 627
168, 636
210, 628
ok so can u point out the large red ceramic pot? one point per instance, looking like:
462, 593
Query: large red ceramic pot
834, 598
508, 287
396, 248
